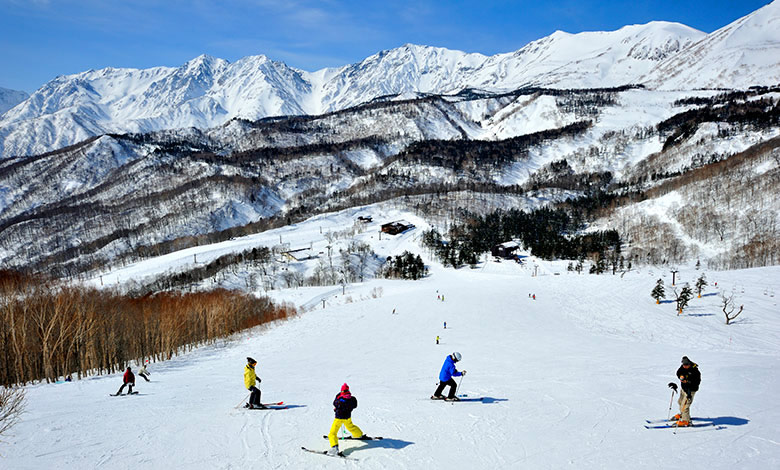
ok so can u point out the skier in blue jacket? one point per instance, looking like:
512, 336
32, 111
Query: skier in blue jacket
448, 371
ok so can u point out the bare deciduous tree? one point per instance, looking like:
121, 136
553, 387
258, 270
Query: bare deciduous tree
12, 405
728, 308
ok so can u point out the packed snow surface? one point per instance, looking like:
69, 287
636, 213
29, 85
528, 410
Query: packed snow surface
567, 379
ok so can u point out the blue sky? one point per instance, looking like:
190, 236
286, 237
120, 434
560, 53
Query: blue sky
40, 39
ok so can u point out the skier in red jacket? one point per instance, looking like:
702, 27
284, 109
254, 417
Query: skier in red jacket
127, 379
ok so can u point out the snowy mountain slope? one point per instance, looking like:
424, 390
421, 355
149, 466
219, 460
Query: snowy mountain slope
111, 199
159, 186
208, 92
589, 59
10, 98
723, 207
568, 379
739, 55
202, 93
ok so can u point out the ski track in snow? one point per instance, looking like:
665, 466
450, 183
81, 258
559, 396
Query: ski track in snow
568, 379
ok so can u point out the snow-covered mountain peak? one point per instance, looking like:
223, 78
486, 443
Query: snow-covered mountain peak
739, 55
205, 63
207, 91
10, 98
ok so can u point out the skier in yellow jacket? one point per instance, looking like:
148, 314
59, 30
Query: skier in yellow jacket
250, 377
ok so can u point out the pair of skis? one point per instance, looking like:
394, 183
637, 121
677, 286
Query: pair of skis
341, 455
461, 398
672, 424
122, 394
279, 405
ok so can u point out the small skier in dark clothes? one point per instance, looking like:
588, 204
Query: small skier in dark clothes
144, 373
445, 325
690, 379
129, 380
343, 405
448, 371
250, 377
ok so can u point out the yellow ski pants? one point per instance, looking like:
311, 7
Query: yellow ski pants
334, 430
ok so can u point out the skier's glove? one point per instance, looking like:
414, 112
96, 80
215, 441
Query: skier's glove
463, 372
673, 386
258, 380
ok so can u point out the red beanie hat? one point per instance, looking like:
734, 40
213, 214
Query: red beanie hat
345, 388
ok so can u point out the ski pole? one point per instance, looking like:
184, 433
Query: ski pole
242, 401
458, 387
673, 386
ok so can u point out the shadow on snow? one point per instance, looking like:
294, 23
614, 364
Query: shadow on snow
722, 421
384, 443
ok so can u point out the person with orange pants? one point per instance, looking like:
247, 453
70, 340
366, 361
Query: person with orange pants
690, 379
343, 406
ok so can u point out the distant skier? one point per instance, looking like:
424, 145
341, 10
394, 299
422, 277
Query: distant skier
129, 380
144, 373
343, 405
445, 325
690, 378
534, 296
448, 371
437, 340
250, 377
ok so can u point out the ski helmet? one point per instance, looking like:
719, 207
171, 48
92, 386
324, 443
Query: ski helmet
456, 356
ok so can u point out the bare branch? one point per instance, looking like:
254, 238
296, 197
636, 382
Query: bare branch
12, 405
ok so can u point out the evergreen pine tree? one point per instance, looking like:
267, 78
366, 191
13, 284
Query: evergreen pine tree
658, 292
701, 283
683, 298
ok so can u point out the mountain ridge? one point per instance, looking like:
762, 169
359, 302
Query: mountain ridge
206, 91
10, 98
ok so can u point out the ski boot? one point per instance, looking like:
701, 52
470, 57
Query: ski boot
683, 424
333, 451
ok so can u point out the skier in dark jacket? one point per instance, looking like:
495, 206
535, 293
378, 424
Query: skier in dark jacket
690, 378
129, 380
343, 405
448, 371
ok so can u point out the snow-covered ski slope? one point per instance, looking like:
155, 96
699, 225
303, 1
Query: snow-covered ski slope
568, 379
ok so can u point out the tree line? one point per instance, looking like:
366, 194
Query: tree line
407, 265
460, 155
48, 330
548, 233
758, 114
